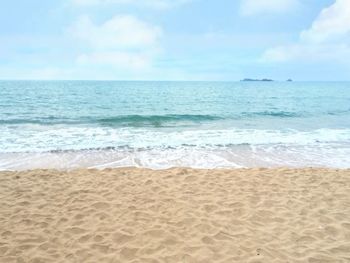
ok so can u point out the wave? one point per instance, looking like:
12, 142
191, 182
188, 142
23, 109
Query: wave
162, 158
279, 114
46, 138
122, 120
155, 120
167, 120
290, 114
51, 120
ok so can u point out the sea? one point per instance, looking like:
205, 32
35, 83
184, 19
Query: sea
159, 125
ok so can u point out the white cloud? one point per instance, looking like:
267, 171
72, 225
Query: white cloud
123, 41
135, 61
254, 7
333, 24
120, 32
157, 4
327, 39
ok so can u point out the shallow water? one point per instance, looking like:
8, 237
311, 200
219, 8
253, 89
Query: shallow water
72, 124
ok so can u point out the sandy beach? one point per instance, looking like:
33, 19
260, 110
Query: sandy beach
176, 215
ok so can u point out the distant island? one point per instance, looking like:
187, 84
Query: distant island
288, 80
257, 80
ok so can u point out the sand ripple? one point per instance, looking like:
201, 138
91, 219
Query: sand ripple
177, 215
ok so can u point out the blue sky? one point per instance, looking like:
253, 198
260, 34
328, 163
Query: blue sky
175, 39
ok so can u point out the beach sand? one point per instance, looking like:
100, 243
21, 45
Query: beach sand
176, 215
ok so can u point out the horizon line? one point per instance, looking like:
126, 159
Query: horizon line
126, 80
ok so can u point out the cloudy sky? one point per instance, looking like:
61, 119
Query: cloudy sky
175, 39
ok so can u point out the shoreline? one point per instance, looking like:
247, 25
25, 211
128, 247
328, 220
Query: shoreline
134, 169
175, 215
187, 168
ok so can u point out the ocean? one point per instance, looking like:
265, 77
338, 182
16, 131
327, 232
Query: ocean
158, 125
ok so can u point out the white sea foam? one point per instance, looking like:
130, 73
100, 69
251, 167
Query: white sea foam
65, 147
36, 138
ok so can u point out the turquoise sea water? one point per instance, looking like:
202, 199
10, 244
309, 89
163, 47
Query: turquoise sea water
71, 124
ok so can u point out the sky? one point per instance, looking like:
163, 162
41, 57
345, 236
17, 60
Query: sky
209, 40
